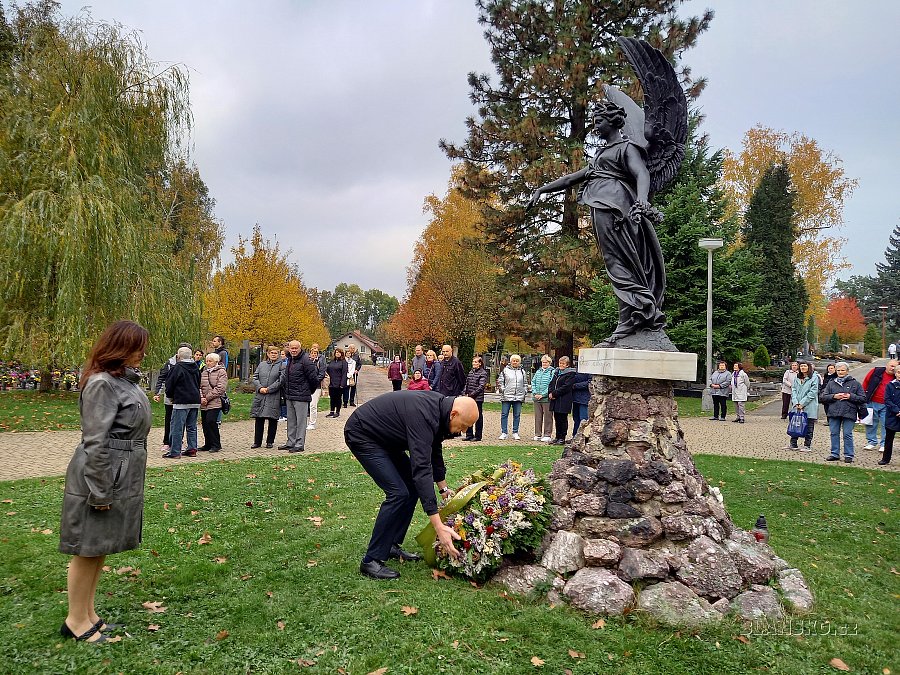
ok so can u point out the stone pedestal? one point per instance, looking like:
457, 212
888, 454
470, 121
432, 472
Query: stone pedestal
630, 507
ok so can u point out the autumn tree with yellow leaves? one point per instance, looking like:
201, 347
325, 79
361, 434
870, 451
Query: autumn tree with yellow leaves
451, 282
260, 297
820, 188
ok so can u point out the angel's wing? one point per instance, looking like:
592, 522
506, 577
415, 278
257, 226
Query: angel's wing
665, 110
634, 114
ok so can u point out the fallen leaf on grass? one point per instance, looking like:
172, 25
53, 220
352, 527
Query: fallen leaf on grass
205, 539
155, 554
251, 475
154, 607
536, 662
205, 499
153, 627
117, 638
244, 577
269, 594
194, 513
312, 563
599, 623
439, 574
220, 560
742, 638
123, 570
250, 504
7, 501
380, 671
409, 611
315, 520
280, 625
576, 655
165, 506
455, 644
837, 663
221, 635
47, 531
303, 663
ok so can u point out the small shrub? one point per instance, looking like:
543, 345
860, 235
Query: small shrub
761, 358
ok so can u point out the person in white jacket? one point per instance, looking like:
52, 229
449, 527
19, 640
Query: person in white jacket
740, 389
512, 385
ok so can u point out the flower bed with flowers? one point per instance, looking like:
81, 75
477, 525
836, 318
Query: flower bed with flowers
497, 513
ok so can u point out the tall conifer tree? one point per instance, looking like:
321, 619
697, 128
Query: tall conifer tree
770, 232
552, 58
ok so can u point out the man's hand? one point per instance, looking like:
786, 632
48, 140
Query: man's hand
263, 390
445, 535
203, 401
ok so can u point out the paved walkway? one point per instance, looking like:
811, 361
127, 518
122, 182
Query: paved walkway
47, 453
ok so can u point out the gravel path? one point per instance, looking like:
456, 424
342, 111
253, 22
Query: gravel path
47, 453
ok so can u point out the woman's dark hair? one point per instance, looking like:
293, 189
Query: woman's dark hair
335, 355
739, 365
116, 345
809, 369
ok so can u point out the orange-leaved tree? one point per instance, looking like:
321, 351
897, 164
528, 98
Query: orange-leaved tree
820, 187
844, 316
260, 297
451, 290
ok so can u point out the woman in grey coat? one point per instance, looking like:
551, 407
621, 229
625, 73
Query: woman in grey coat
720, 388
103, 503
267, 400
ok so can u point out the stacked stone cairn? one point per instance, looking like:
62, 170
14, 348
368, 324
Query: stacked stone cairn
635, 525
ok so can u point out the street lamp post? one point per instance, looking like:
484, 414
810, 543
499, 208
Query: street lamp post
710, 244
883, 309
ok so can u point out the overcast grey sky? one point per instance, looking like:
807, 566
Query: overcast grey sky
320, 119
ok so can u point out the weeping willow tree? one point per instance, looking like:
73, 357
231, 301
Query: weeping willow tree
90, 132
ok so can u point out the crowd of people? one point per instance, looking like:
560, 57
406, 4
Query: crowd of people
875, 402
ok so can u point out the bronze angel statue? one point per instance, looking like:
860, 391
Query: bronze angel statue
641, 150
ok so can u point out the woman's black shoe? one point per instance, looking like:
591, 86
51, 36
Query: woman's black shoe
255, 445
66, 632
269, 445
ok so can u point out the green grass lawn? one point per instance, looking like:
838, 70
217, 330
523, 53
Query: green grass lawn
274, 585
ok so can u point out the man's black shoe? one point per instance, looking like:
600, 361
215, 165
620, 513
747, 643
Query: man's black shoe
285, 447
832, 458
404, 556
378, 570
299, 448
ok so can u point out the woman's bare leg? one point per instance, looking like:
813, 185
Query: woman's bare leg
83, 576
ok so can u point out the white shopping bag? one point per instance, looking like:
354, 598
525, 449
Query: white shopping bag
867, 420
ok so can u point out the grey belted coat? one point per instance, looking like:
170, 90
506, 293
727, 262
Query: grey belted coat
108, 468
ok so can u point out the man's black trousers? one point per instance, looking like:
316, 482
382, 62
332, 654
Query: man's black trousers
392, 472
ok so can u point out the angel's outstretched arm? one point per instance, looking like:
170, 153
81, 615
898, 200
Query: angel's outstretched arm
558, 185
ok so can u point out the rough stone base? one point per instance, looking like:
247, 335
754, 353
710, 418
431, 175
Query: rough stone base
631, 507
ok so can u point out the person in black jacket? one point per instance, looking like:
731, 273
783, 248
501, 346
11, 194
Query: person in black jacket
476, 381
183, 387
337, 375
451, 376
298, 381
561, 396
380, 434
